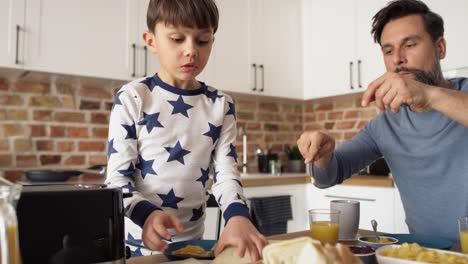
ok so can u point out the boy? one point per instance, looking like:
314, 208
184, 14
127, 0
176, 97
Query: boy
164, 132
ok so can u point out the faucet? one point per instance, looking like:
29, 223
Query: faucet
244, 150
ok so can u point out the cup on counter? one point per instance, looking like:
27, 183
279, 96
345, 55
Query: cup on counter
324, 225
349, 218
463, 225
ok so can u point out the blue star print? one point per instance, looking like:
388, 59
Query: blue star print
177, 153
131, 131
117, 99
180, 107
214, 132
232, 152
197, 214
232, 110
215, 176
204, 178
239, 182
129, 172
170, 199
150, 121
133, 240
149, 83
212, 95
110, 149
146, 166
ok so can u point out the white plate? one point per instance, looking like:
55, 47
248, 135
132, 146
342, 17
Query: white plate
390, 260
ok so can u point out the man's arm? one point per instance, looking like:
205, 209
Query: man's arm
452, 103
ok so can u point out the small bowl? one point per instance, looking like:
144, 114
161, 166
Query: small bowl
370, 241
365, 253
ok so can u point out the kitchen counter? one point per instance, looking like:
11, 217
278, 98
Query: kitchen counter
155, 259
252, 180
258, 179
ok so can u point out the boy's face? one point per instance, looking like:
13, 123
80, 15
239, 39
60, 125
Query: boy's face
183, 52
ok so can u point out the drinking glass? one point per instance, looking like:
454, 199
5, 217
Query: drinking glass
463, 224
324, 224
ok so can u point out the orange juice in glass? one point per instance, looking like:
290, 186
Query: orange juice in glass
324, 225
463, 224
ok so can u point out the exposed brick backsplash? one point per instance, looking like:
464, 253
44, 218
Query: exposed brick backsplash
62, 124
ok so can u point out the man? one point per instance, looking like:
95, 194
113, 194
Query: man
422, 131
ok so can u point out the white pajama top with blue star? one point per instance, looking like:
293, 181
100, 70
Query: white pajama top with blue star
162, 140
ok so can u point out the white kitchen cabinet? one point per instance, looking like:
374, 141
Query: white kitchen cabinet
146, 63
11, 26
377, 203
89, 38
257, 48
453, 13
339, 54
228, 67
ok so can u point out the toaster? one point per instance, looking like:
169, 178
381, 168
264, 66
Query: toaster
71, 223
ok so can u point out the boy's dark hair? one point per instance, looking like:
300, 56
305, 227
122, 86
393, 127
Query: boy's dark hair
433, 23
188, 13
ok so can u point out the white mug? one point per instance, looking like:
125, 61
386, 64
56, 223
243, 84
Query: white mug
349, 217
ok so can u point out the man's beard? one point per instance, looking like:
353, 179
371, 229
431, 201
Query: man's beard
433, 77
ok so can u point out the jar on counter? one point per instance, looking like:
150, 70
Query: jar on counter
9, 244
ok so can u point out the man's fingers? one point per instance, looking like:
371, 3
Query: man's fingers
369, 94
327, 148
303, 144
396, 103
389, 97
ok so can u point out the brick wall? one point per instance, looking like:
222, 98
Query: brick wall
52, 123
63, 123
341, 116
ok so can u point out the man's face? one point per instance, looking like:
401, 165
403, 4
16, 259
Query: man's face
182, 52
409, 50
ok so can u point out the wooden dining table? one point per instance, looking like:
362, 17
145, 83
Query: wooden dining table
160, 258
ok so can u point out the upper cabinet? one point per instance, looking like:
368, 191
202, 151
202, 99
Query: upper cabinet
453, 12
228, 66
339, 54
146, 63
257, 48
11, 26
87, 38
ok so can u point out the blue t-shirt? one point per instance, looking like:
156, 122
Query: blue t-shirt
428, 155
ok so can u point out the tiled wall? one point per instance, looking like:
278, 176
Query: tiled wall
62, 122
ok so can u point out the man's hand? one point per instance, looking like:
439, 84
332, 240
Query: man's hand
391, 90
155, 229
316, 146
241, 233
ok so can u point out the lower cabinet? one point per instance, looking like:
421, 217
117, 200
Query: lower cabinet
380, 203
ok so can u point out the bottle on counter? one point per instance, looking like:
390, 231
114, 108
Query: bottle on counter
9, 244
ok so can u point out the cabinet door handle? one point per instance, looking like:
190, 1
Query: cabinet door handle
255, 77
146, 60
349, 198
18, 29
351, 75
134, 58
263, 78
359, 73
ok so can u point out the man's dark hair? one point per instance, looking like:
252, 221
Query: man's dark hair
433, 23
188, 13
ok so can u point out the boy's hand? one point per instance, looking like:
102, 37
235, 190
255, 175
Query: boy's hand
317, 147
155, 229
241, 233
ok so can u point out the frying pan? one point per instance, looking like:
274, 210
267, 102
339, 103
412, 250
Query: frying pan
61, 175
